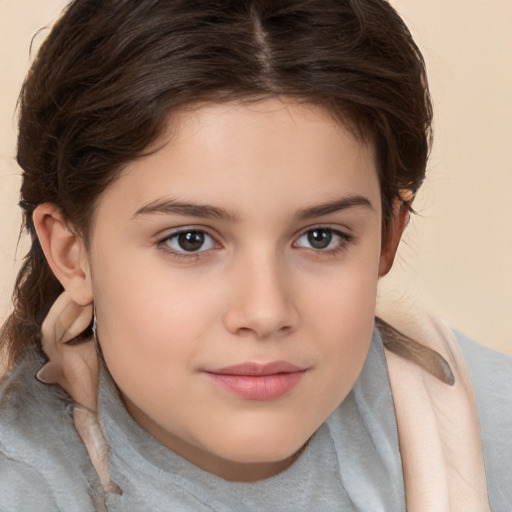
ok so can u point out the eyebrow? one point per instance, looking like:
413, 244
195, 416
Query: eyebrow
173, 207
334, 206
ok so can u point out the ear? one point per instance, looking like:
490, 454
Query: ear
65, 252
394, 232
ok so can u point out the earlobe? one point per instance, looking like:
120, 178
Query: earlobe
65, 252
396, 227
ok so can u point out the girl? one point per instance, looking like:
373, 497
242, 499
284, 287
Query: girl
213, 190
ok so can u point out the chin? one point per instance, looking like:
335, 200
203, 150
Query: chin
261, 449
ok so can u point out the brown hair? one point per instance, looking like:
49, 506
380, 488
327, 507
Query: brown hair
112, 71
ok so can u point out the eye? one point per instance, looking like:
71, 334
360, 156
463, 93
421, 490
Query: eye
189, 241
322, 239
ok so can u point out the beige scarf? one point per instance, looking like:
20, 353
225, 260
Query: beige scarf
438, 427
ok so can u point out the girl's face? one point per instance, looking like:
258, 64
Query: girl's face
234, 276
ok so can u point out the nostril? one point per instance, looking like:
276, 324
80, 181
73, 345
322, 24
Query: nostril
262, 333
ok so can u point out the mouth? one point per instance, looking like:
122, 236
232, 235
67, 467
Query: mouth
256, 381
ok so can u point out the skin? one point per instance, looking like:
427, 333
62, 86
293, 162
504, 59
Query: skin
257, 290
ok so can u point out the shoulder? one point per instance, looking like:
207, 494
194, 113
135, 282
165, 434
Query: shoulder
43, 465
481, 359
491, 375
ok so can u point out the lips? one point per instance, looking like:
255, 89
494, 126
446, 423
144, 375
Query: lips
255, 381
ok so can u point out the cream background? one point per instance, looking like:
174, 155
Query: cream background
457, 255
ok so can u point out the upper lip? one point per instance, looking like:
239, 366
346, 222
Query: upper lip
252, 368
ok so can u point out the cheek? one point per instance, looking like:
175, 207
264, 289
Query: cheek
343, 316
149, 322
346, 296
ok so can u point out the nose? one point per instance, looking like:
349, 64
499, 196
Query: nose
262, 303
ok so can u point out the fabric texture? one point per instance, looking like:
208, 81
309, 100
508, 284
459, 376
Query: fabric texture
352, 463
438, 427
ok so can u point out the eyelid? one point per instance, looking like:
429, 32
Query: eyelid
335, 228
162, 245
185, 229
346, 238
345, 235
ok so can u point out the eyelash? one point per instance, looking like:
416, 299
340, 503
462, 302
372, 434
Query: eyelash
344, 241
163, 244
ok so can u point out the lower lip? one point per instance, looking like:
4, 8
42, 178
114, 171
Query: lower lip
258, 387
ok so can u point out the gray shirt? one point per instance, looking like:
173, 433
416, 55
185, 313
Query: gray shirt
351, 463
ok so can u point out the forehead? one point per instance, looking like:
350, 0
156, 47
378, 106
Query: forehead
251, 156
